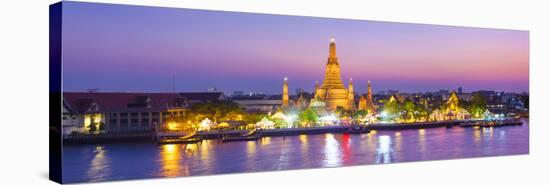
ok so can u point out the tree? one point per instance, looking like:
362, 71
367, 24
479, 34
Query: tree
478, 105
216, 110
360, 114
410, 107
391, 107
421, 113
308, 116
253, 118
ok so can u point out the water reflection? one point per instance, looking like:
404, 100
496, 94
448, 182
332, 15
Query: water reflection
205, 149
397, 144
251, 153
117, 161
477, 134
283, 157
304, 144
332, 151
99, 166
422, 142
265, 141
171, 156
502, 135
383, 152
346, 150
251, 148
488, 132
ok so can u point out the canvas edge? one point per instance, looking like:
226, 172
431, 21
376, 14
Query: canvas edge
55, 67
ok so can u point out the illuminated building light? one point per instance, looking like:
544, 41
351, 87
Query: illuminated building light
205, 124
172, 126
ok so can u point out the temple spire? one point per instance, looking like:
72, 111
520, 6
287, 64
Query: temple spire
369, 102
350, 90
332, 90
332, 49
285, 93
369, 90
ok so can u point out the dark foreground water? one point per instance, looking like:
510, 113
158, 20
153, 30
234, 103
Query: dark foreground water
129, 161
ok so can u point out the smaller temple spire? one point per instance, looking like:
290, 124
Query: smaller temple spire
316, 90
369, 89
351, 93
285, 93
369, 102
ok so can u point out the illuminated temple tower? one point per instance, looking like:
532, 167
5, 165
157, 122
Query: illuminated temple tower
285, 93
366, 103
333, 92
370, 103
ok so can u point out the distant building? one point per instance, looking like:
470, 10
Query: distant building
462, 96
380, 93
237, 93
465, 96
392, 92
84, 112
212, 89
299, 90
261, 103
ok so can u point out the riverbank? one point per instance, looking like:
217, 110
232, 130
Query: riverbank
219, 134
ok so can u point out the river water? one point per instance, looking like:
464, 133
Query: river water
82, 163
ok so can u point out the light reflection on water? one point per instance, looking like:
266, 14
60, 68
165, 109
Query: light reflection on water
332, 151
171, 155
99, 166
384, 149
123, 161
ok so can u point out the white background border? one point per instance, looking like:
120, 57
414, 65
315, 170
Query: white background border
24, 90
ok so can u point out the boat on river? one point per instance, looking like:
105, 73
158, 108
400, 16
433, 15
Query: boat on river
188, 139
357, 129
252, 135
496, 123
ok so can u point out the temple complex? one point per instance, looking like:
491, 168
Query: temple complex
332, 91
450, 111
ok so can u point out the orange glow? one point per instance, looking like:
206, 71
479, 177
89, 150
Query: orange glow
170, 156
173, 126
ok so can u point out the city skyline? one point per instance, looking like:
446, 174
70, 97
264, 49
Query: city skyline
149, 49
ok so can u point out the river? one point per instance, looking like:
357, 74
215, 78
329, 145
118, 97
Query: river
83, 163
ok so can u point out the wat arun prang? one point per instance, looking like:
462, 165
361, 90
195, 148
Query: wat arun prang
332, 93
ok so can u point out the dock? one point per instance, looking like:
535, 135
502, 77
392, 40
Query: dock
498, 123
256, 134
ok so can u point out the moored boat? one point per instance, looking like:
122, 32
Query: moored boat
179, 141
357, 129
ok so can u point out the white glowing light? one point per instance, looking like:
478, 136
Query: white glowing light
384, 114
205, 124
290, 119
331, 117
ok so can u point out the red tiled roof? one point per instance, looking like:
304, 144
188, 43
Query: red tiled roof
130, 102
